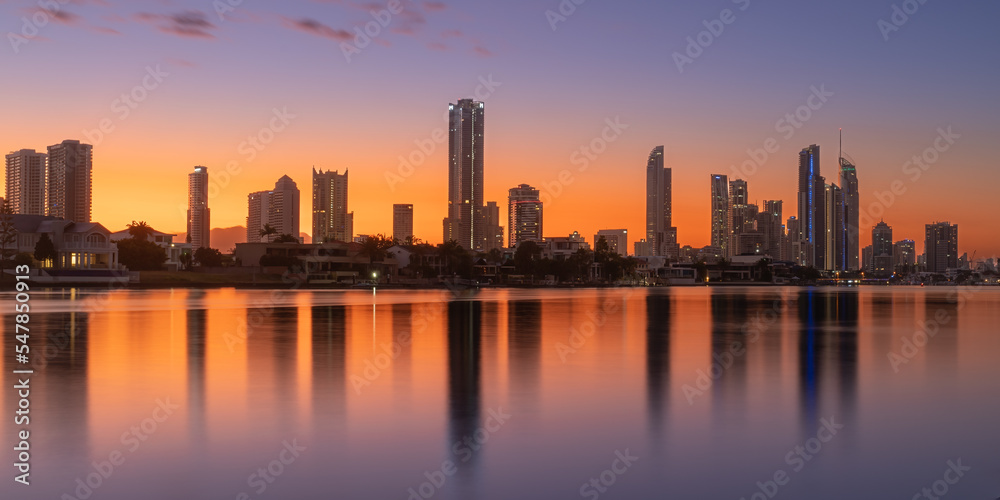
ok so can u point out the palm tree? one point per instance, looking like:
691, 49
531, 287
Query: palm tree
267, 231
139, 230
376, 248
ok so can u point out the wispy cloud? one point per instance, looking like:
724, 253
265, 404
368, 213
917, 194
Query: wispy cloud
190, 23
314, 27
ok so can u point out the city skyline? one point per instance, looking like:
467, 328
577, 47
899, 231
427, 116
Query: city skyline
709, 121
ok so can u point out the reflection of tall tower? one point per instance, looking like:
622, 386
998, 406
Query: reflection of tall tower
272, 351
196, 331
60, 359
464, 330
329, 364
659, 313
828, 342
524, 342
730, 311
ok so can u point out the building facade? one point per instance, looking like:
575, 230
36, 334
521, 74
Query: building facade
402, 222
524, 215
852, 212
277, 208
199, 226
464, 223
810, 213
331, 220
617, 240
882, 265
660, 233
69, 180
720, 212
27, 186
941, 246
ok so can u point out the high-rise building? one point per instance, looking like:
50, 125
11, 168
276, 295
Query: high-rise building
833, 243
740, 218
617, 240
941, 246
278, 208
331, 220
769, 224
199, 227
660, 233
720, 213
493, 228
810, 215
524, 215
852, 212
69, 182
904, 254
402, 222
882, 249
465, 223
27, 189
867, 265
792, 241
642, 248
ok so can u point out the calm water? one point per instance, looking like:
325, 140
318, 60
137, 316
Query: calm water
510, 394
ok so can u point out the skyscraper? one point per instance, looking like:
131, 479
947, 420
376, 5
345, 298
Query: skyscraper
834, 256
402, 222
740, 220
941, 246
660, 234
617, 240
278, 208
769, 222
882, 249
720, 213
524, 215
27, 188
69, 183
464, 223
852, 211
810, 205
199, 226
493, 228
331, 220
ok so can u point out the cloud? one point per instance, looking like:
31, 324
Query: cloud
314, 27
190, 23
482, 51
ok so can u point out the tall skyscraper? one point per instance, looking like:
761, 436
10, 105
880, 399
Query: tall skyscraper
720, 213
331, 220
617, 240
465, 223
402, 222
810, 206
852, 210
941, 246
199, 228
882, 249
69, 183
793, 245
27, 186
834, 256
740, 218
524, 215
278, 208
660, 233
769, 223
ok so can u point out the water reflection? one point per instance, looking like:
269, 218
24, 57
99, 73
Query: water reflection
464, 360
828, 342
524, 341
329, 364
659, 314
196, 367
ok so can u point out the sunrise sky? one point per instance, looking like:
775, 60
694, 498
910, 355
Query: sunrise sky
225, 72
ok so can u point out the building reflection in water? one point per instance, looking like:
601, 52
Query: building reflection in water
524, 341
828, 342
60, 359
329, 365
659, 313
196, 335
729, 313
464, 384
